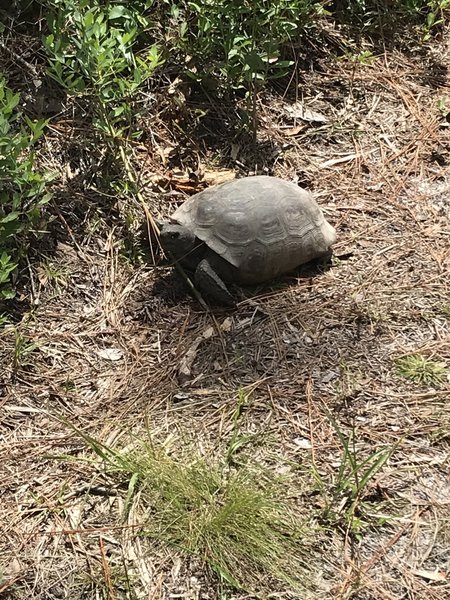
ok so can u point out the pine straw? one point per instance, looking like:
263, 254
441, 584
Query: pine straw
109, 345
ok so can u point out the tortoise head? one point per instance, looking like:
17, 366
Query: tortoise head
178, 240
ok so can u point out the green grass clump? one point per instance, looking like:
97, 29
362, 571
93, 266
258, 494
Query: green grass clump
344, 502
234, 521
421, 369
238, 521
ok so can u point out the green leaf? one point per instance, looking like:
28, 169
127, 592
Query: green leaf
89, 19
118, 111
12, 216
7, 266
255, 62
7, 293
117, 12
37, 128
196, 7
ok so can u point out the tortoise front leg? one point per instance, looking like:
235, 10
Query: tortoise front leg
208, 282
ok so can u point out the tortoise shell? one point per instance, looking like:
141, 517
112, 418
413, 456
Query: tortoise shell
262, 225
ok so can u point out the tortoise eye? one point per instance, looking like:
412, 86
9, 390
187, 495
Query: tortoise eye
175, 235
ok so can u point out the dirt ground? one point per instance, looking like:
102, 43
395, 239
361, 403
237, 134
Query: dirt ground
102, 340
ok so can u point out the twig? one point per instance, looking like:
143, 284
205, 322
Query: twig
308, 393
19, 59
106, 571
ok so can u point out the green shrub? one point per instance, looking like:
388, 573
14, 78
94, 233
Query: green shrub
238, 46
239, 42
22, 189
436, 12
102, 51
109, 50
428, 14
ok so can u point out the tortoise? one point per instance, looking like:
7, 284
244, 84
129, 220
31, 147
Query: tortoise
246, 231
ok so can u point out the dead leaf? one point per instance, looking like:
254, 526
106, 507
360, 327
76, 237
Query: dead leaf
42, 276
235, 149
431, 575
291, 131
111, 354
169, 151
182, 181
218, 177
184, 371
302, 443
298, 111
338, 161
14, 568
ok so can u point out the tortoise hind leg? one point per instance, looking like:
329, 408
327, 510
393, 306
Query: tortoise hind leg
208, 282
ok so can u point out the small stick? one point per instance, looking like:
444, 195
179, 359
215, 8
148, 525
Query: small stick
311, 432
106, 571
19, 59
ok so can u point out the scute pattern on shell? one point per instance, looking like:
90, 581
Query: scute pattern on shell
262, 225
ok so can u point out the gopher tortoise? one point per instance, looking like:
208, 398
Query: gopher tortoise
246, 231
